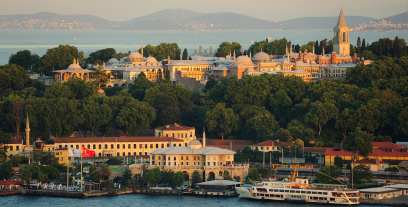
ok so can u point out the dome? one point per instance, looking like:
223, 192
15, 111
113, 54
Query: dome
194, 144
135, 57
74, 66
261, 56
113, 60
243, 59
151, 59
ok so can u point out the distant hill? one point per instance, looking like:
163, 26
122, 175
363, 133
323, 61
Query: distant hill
49, 20
181, 19
322, 22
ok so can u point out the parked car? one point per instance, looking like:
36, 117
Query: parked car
383, 182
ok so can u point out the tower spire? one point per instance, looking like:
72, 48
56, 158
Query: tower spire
342, 21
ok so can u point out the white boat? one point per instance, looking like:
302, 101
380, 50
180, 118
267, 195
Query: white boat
298, 190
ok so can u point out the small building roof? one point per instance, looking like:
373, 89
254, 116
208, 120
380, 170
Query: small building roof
188, 151
271, 143
378, 190
219, 183
173, 127
397, 186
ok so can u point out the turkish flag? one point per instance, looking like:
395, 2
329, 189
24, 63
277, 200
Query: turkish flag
87, 153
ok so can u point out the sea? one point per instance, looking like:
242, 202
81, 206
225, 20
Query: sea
145, 201
38, 41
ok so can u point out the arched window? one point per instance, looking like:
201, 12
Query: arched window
344, 37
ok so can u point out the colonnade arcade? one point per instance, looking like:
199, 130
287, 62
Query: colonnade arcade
66, 76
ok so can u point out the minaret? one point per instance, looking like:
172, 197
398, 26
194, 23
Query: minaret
313, 50
203, 136
126, 67
103, 64
27, 132
141, 49
250, 55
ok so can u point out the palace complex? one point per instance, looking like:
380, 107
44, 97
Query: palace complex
203, 66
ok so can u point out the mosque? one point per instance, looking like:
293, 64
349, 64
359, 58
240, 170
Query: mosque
203, 66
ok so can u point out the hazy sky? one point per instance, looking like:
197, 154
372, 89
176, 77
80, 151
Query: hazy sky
121, 10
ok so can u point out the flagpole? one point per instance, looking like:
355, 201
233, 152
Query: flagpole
81, 172
67, 169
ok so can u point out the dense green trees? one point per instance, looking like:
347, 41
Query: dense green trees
275, 47
161, 51
100, 56
362, 174
25, 59
328, 174
60, 57
227, 48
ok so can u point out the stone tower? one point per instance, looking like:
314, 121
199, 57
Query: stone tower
341, 44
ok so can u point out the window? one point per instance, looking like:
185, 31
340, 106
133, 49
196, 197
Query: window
191, 134
179, 145
157, 146
72, 146
151, 146
17, 148
182, 163
145, 146
60, 146
198, 157
186, 163
106, 146
134, 153
162, 146
221, 163
194, 163
129, 146
117, 154
159, 163
174, 158
11, 148
175, 164
100, 155
134, 146
173, 135
140, 146
145, 153
123, 154
261, 148
123, 146
215, 164
208, 163
168, 158
67, 145
140, 153
168, 145
99, 146
77, 146
128, 153
198, 163
186, 157
118, 146
182, 158
89, 146
174, 145
194, 157
111, 146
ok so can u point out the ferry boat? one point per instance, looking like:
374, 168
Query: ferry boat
298, 190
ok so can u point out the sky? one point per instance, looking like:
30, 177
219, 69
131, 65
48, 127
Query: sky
122, 10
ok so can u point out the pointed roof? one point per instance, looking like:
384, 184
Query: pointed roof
342, 21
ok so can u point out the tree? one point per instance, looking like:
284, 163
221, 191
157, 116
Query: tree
127, 177
31, 172
262, 126
221, 120
25, 59
109, 184
178, 179
362, 174
113, 161
167, 74
358, 142
100, 76
185, 54
358, 45
167, 177
17, 112
100, 56
6, 168
299, 131
254, 175
196, 178
153, 176
59, 58
135, 116
226, 48
92, 168
283, 135
338, 161
226, 175
328, 174
170, 115
104, 172
320, 113
13, 77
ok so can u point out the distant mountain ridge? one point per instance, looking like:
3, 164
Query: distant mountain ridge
178, 19
396, 22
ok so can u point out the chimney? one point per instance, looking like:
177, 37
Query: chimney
201, 49
211, 49
168, 59
27, 132
242, 49
334, 58
141, 48
355, 58
103, 64
250, 55
203, 136
300, 56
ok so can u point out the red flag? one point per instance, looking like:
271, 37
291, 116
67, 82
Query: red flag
87, 153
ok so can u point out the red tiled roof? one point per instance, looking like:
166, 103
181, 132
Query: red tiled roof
227, 142
16, 141
270, 143
115, 139
10, 182
368, 161
234, 147
376, 152
315, 149
386, 145
174, 127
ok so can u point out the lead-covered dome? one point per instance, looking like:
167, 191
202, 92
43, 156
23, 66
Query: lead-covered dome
243, 59
151, 59
113, 60
135, 57
74, 66
194, 144
261, 56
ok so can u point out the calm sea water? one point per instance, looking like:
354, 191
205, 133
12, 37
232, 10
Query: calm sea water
12, 41
142, 200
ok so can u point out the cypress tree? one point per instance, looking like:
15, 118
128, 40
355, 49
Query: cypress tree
167, 74
374, 48
380, 48
396, 48
185, 54
363, 45
317, 50
358, 45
